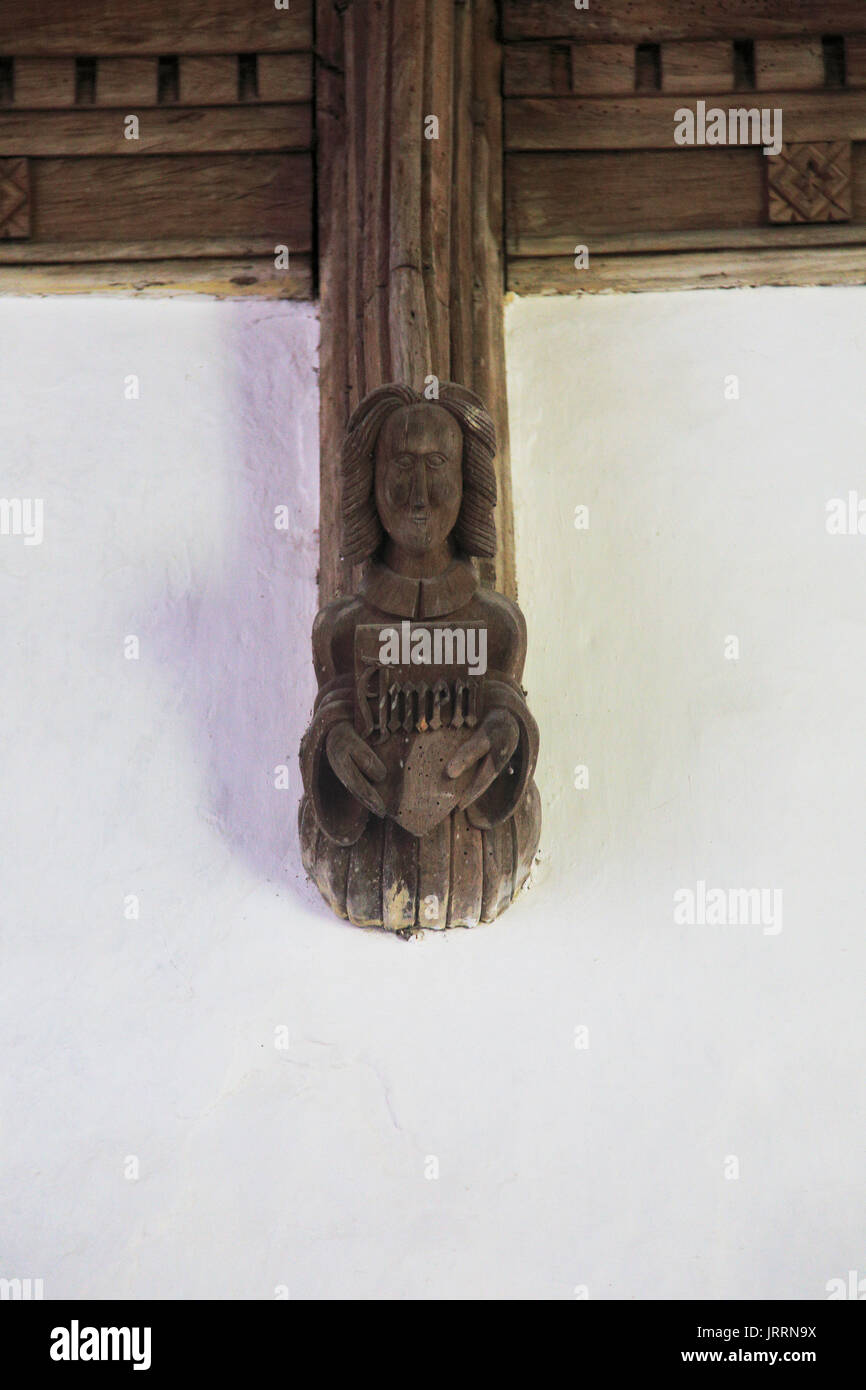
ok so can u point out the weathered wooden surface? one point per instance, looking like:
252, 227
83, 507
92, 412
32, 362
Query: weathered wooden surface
811, 183
646, 123
702, 67
224, 278
209, 81
420, 765
605, 68
161, 130
641, 202
153, 26
272, 195
132, 83
47, 82
236, 247
336, 337
705, 269
788, 65
411, 355
587, 194
655, 20
411, 230
855, 60
14, 198
162, 133
593, 162
488, 281
286, 77
734, 239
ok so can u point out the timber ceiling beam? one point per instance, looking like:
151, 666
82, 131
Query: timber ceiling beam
609, 187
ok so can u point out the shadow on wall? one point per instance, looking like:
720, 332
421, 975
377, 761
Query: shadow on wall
238, 637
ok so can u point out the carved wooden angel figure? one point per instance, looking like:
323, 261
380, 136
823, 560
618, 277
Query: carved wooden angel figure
419, 809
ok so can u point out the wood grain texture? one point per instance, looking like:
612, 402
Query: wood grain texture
837, 265
409, 326
788, 65
434, 877
467, 885
162, 130
141, 199
702, 67
285, 77
154, 249
436, 175
527, 69
44, 82
656, 201
127, 82
582, 195
363, 887
334, 338
498, 885
208, 81
460, 304
399, 876
410, 235
698, 239
374, 250
488, 279
332, 869
574, 123
354, 46
152, 26
225, 279
606, 68
14, 198
855, 60
657, 20
49, 83
591, 69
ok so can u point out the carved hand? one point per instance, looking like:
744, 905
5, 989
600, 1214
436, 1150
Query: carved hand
356, 765
494, 741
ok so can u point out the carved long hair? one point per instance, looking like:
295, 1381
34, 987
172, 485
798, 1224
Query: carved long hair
475, 530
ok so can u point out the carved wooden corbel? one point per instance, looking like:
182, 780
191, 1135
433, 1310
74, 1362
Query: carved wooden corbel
420, 808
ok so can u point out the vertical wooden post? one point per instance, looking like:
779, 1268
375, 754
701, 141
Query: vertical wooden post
410, 233
335, 342
488, 266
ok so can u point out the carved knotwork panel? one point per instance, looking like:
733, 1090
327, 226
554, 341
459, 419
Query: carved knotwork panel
811, 182
14, 198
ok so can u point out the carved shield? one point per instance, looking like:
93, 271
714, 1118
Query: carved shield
415, 717
417, 791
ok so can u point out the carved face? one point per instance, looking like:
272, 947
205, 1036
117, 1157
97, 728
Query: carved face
419, 476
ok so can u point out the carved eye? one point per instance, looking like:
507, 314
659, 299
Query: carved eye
404, 461
436, 460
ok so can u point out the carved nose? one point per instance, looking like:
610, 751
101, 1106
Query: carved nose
418, 496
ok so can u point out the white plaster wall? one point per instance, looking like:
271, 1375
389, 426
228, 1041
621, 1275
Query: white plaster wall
707, 519
305, 1166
